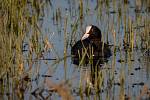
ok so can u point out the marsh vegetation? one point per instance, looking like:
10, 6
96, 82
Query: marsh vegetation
36, 37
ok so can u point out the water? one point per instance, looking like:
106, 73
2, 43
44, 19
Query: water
126, 73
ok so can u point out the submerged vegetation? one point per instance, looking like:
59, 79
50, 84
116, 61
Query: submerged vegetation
29, 61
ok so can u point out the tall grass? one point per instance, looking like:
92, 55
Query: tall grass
17, 18
19, 24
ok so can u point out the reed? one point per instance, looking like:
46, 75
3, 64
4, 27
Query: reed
81, 9
17, 18
65, 45
20, 28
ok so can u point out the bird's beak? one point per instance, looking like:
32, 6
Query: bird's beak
85, 36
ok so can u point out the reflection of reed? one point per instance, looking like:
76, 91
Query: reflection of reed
20, 22
60, 88
145, 93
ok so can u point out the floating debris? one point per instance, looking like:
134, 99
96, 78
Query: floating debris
121, 60
117, 84
132, 74
113, 12
46, 75
139, 68
140, 84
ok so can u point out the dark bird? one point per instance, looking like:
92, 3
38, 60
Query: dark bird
90, 47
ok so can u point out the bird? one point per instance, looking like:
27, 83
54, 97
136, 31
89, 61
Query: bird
90, 46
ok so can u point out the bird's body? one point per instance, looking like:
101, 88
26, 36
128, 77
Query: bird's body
91, 46
98, 49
